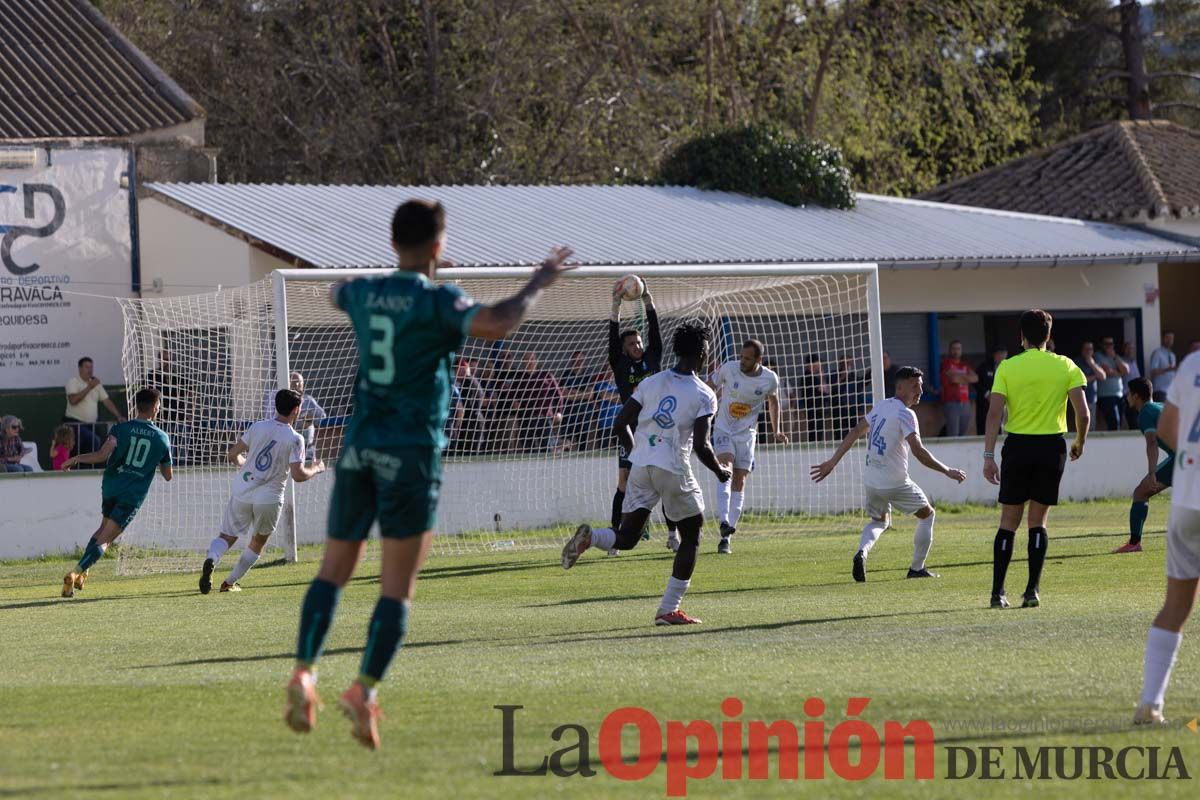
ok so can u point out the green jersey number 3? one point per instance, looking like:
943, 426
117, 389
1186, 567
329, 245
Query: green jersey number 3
383, 334
138, 452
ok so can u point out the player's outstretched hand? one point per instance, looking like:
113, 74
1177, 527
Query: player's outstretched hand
69, 463
782, 438
724, 474
991, 471
956, 475
821, 471
319, 465
1076, 450
553, 267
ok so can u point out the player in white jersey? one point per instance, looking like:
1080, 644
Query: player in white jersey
1179, 428
673, 411
891, 428
744, 386
269, 451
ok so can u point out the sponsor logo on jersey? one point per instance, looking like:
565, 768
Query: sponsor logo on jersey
739, 410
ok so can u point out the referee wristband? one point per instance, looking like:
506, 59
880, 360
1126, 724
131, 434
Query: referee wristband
987, 454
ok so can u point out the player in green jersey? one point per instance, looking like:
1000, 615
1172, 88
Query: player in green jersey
133, 451
1158, 476
408, 329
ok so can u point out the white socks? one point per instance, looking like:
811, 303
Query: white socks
242, 566
723, 501
216, 549
604, 538
735, 507
922, 541
870, 535
1161, 648
673, 596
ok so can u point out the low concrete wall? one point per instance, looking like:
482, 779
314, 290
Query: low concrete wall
56, 512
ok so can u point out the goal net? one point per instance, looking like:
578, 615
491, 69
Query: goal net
531, 451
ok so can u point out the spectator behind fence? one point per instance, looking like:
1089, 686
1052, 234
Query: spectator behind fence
578, 390
12, 449
889, 377
64, 443
85, 393
1163, 364
467, 418
957, 377
1092, 373
847, 396
1110, 392
541, 404
1129, 355
983, 389
310, 413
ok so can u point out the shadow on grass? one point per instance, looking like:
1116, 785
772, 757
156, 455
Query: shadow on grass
92, 788
617, 598
79, 600
338, 651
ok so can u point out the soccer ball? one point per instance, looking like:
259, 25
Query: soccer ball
629, 287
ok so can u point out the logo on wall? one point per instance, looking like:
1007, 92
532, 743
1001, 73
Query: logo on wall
14, 232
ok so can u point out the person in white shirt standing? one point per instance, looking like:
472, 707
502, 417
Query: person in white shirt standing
743, 387
257, 491
1163, 365
891, 430
1178, 427
85, 393
673, 411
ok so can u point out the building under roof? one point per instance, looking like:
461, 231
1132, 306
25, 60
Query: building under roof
346, 226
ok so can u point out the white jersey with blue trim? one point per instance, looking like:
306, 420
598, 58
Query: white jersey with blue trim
1184, 394
891, 423
671, 403
273, 447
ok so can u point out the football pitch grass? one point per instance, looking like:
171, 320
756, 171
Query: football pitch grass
143, 688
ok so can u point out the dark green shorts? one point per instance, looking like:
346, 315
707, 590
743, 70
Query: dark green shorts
1165, 472
396, 485
120, 510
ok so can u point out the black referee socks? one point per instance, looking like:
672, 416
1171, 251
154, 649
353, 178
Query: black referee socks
618, 501
1002, 549
1039, 541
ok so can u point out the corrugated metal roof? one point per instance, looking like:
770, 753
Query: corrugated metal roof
66, 72
342, 226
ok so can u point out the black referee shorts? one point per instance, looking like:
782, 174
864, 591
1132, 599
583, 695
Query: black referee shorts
1031, 468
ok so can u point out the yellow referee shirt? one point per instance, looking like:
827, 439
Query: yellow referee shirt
1035, 385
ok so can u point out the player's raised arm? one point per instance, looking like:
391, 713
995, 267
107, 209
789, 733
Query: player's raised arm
822, 471
498, 321
702, 446
624, 423
655, 350
614, 331
922, 454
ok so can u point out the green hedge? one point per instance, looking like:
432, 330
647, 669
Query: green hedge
762, 161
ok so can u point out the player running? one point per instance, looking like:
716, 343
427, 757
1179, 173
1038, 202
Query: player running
743, 386
407, 329
891, 430
1179, 429
631, 364
673, 411
256, 496
1158, 476
133, 451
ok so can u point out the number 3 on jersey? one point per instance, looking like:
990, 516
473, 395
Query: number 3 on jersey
381, 348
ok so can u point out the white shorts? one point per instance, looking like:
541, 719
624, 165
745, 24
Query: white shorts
1183, 544
680, 494
739, 445
906, 498
256, 518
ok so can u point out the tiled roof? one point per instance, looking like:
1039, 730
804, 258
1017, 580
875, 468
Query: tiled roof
349, 226
65, 72
1122, 171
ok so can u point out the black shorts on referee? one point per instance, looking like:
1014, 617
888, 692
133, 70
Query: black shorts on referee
1031, 468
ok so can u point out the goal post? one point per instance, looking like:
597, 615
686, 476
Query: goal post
531, 450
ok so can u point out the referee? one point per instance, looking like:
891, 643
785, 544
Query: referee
1033, 386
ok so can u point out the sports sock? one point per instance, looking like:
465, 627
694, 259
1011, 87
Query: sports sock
1002, 547
922, 541
1039, 542
1137, 519
735, 507
216, 549
618, 501
870, 535
92, 553
316, 615
673, 596
243, 565
385, 634
604, 538
1161, 648
685, 556
723, 502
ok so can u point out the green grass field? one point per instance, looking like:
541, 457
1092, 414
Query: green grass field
143, 688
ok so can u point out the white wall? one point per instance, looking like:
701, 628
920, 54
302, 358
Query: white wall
56, 512
192, 257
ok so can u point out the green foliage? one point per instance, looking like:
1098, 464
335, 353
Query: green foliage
762, 161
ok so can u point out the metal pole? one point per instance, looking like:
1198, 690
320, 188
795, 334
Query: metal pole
282, 375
